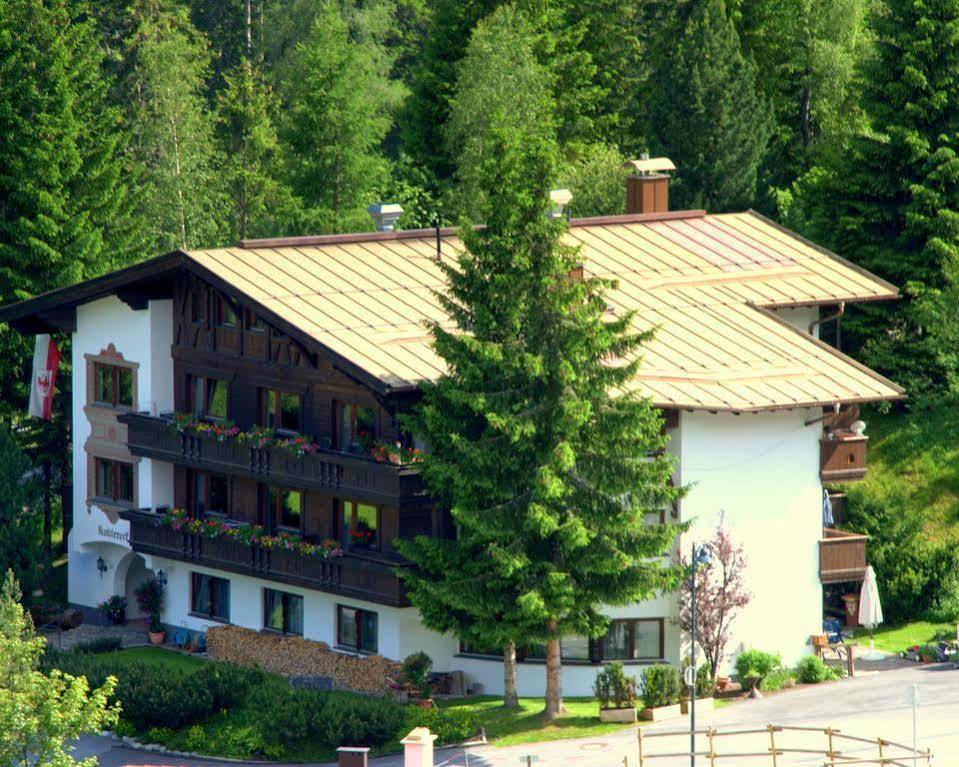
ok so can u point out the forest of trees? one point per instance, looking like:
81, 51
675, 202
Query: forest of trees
134, 127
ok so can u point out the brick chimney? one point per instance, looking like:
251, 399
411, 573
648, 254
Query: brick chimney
647, 189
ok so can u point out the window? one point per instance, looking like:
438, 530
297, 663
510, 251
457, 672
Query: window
356, 427
640, 639
209, 494
210, 398
252, 322
356, 629
282, 612
210, 597
574, 648
225, 315
653, 518
114, 480
284, 507
359, 525
112, 384
280, 410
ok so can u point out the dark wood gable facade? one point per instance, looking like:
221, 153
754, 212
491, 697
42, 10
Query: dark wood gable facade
232, 368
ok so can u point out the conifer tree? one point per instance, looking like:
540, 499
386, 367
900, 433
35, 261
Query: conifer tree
707, 114
339, 112
173, 150
890, 201
545, 460
260, 204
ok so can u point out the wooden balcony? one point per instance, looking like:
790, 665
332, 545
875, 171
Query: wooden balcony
842, 556
358, 577
842, 459
357, 477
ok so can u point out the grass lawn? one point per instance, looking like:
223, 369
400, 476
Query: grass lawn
506, 727
898, 638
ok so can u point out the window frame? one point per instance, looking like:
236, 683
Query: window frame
198, 306
207, 478
270, 396
631, 642
224, 313
115, 372
273, 507
358, 613
285, 618
211, 616
340, 440
201, 411
342, 533
252, 322
116, 467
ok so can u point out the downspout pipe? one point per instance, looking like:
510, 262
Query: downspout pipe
837, 316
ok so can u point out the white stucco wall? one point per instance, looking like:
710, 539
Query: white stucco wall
144, 337
760, 474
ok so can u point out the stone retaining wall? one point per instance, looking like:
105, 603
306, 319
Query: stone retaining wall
294, 656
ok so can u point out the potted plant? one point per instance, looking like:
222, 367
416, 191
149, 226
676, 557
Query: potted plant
616, 693
149, 596
416, 678
661, 692
114, 610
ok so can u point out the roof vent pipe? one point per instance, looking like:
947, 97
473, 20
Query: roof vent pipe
385, 215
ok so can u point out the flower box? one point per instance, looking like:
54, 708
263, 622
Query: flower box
661, 713
620, 715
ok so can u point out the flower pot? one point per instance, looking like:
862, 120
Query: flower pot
425, 703
156, 637
622, 715
661, 713
722, 683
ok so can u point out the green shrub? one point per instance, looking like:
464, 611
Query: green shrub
416, 673
355, 720
613, 688
778, 679
97, 646
451, 725
229, 685
289, 716
756, 664
812, 670
660, 686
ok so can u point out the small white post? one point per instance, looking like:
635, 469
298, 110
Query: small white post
418, 748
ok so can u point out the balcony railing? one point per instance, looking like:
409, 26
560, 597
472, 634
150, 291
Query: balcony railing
359, 477
842, 556
842, 459
350, 575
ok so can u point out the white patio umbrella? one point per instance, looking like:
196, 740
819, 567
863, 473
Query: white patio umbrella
870, 609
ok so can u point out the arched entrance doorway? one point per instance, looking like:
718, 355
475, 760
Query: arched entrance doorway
131, 572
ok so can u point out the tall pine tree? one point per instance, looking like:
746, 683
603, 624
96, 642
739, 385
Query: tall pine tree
891, 201
707, 114
546, 465
173, 149
340, 109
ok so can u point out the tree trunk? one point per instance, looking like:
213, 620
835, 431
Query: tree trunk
249, 30
554, 682
805, 117
510, 698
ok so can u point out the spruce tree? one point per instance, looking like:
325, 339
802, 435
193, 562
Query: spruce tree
545, 458
340, 109
707, 114
173, 149
260, 204
890, 201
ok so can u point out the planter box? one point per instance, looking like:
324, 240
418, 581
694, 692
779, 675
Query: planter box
661, 713
625, 715
702, 704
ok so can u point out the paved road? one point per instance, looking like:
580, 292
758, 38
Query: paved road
868, 706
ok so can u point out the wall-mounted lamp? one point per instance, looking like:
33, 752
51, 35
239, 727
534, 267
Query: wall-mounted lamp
102, 566
161, 578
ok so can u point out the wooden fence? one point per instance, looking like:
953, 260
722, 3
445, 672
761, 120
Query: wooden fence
775, 746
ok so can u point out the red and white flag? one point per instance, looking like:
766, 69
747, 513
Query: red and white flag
46, 358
